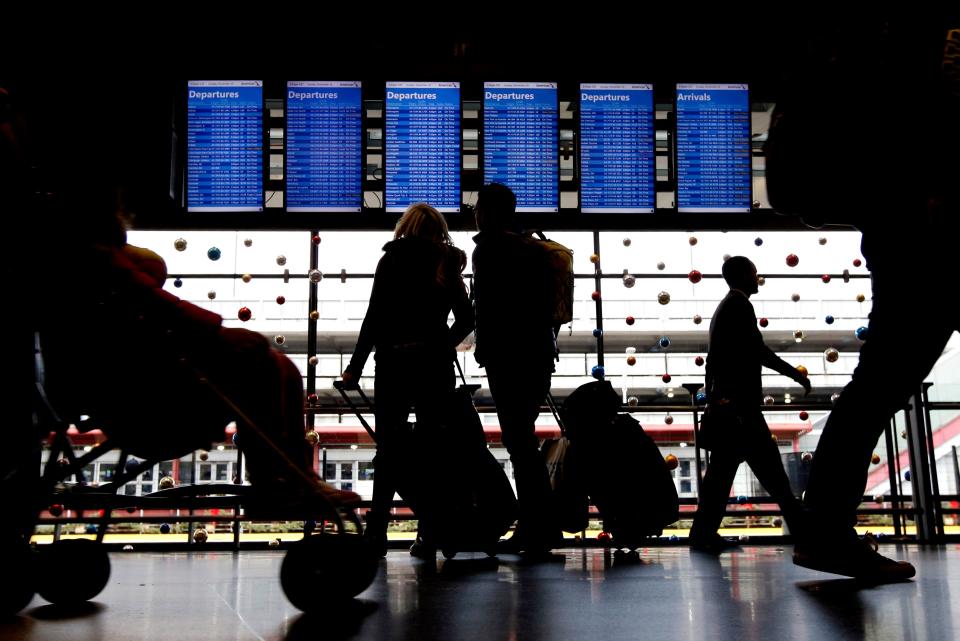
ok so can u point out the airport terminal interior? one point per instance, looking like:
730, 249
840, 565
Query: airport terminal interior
271, 186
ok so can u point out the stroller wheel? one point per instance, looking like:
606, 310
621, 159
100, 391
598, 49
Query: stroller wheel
17, 590
89, 571
326, 570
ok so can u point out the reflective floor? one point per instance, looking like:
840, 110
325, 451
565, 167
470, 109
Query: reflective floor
669, 593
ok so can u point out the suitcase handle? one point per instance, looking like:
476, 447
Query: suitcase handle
341, 387
470, 387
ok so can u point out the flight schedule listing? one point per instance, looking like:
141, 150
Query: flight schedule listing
323, 143
617, 158
713, 148
520, 142
224, 145
422, 145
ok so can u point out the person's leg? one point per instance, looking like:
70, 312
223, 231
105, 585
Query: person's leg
763, 456
714, 492
518, 395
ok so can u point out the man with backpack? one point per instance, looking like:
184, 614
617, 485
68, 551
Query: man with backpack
513, 293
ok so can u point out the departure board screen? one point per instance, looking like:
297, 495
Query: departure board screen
423, 145
617, 159
224, 145
324, 166
713, 148
520, 141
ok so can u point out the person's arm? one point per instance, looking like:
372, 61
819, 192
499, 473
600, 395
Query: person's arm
148, 262
371, 321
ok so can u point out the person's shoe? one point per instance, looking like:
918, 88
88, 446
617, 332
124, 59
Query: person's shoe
715, 545
423, 550
853, 557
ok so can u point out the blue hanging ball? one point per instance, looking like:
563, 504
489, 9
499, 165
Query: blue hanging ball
906, 475
701, 397
164, 528
758, 241
178, 283
213, 253
674, 537
861, 333
91, 528
664, 342
597, 333
234, 438
741, 499
597, 372
829, 319
131, 464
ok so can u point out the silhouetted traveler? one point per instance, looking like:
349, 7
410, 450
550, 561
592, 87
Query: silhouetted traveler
735, 424
516, 344
909, 215
418, 282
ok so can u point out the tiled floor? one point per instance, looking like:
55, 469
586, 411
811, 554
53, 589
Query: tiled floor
754, 593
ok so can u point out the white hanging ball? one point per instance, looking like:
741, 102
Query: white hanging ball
315, 275
631, 350
834, 397
281, 260
768, 400
279, 339
629, 281
180, 244
633, 401
831, 354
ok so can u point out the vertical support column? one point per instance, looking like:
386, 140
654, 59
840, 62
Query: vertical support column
920, 470
936, 514
598, 287
312, 305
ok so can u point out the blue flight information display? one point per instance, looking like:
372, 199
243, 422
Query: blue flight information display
713, 148
224, 145
324, 163
520, 148
423, 145
618, 169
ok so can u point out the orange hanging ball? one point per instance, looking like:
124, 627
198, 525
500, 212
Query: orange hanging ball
671, 461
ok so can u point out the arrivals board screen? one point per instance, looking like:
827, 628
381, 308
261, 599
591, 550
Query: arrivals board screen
520, 148
324, 166
224, 145
713, 148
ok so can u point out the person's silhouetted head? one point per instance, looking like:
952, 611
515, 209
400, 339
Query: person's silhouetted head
740, 273
496, 208
423, 221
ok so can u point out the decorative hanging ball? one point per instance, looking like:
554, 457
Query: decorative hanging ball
761, 281
281, 260
626, 242
247, 242
777, 522
604, 537
803, 415
700, 397
694, 276
211, 294
597, 372
629, 281
861, 333
795, 298
312, 437
668, 419
314, 314
671, 461
167, 482
595, 295
875, 459
726, 257
315, 275
203, 455
315, 239
666, 378
861, 298
757, 241
55, 510
906, 475
825, 278
164, 528
878, 498
834, 397
798, 335
213, 253
313, 360
180, 244
831, 354
274, 543
803, 371
692, 240
823, 240
829, 319
661, 265
178, 283
763, 322
698, 361
663, 298
281, 300
630, 320
664, 342
246, 278
697, 319
806, 457
793, 260
597, 332
312, 398
631, 360
857, 262
768, 400
594, 258
244, 314
631, 350
279, 339
200, 536
633, 401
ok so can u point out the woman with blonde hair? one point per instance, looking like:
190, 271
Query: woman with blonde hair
417, 283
